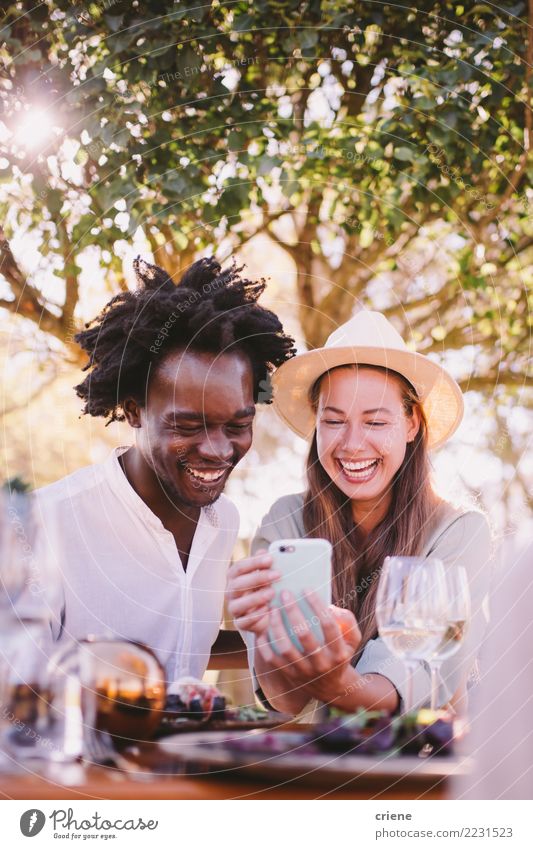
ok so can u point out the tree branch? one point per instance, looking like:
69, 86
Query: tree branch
71, 278
264, 228
401, 308
523, 244
36, 393
480, 383
27, 302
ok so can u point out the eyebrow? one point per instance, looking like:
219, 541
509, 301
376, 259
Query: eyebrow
365, 412
184, 415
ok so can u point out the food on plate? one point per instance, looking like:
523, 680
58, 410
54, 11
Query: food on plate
194, 704
373, 732
249, 713
362, 733
435, 738
193, 699
191, 704
365, 733
273, 743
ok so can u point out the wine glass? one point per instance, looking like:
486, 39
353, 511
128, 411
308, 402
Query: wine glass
30, 596
410, 611
457, 619
14, 571
14, 562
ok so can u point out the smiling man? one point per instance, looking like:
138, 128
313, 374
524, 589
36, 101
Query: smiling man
144, 539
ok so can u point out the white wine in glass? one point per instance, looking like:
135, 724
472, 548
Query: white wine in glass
410, 611
458, 617
411, 642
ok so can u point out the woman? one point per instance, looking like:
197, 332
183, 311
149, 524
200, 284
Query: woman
371, 409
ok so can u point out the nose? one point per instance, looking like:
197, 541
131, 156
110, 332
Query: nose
215, 447
354, 438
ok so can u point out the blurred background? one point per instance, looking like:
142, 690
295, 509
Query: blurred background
354, 154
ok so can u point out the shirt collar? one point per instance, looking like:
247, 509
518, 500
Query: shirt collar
126, 492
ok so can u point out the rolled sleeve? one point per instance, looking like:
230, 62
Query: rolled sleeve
377, 659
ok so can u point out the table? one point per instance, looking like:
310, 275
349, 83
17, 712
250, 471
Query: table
98, 782
98, 786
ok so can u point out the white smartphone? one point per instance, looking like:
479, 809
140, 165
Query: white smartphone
304, 564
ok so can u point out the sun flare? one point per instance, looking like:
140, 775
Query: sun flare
35, 128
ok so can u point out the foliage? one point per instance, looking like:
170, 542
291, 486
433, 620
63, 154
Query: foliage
386, 148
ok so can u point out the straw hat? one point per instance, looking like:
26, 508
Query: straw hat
368, 338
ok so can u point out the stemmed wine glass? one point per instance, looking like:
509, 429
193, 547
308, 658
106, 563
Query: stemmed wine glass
457, 619
410, 611
30, 596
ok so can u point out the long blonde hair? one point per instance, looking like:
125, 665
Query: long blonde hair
327, 513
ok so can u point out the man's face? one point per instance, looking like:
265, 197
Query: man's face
197, 423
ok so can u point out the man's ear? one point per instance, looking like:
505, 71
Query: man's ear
413, 424
132, 411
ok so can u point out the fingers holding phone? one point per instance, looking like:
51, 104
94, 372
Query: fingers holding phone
250, 591
347, 623
317, 663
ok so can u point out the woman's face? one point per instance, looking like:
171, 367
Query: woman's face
363, 431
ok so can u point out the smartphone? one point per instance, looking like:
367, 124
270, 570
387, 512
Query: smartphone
304, 564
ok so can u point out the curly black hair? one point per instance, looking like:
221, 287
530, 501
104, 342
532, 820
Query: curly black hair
209, 310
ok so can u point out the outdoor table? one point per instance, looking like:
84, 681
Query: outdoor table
173, 779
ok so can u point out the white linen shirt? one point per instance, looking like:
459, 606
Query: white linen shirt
121, 571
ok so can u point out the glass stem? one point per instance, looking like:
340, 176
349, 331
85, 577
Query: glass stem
409, 698
435, 681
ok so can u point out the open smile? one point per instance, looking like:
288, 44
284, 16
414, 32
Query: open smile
359, 471
212, 476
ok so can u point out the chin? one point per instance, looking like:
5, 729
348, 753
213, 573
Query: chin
358, 491
201, 499
196, 496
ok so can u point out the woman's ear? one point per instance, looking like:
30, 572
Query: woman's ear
413, 424
132, 411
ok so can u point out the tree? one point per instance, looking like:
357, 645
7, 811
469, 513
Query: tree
386, 148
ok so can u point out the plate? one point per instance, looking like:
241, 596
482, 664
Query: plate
179, 726
211, 752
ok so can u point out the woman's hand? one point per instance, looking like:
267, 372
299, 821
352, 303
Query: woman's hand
322, 671
249, 592
348, 625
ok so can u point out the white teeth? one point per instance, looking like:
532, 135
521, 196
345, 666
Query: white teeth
208, 477
357, 467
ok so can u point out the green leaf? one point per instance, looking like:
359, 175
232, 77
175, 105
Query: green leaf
114, 21
404, 154
176, 184
266, 164
243, 22
307, 39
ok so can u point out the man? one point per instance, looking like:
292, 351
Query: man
144, 539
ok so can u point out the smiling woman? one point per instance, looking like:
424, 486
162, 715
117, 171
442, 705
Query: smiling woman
373, 410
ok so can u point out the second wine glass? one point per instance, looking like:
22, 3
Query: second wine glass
457, 620
410, 611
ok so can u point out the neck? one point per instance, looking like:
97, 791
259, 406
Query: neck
168, 508
368, 514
